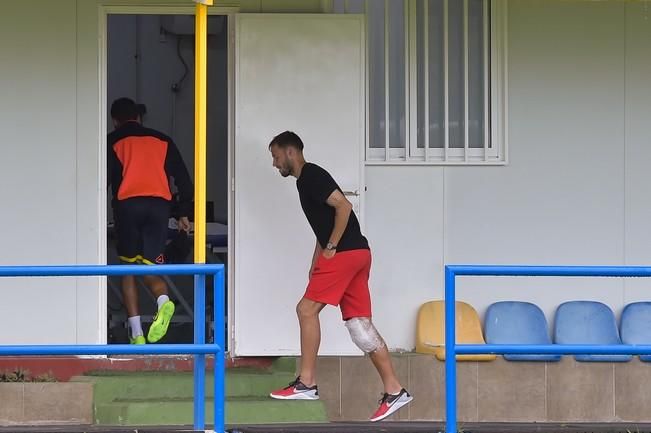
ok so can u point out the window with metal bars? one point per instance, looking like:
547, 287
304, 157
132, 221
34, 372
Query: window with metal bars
436, 80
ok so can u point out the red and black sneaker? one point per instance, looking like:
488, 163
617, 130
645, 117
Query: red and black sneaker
390, 403
296, 390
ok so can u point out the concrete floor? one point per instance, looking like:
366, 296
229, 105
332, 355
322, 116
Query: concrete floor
358, 427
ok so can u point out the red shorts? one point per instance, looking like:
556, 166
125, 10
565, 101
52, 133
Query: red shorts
343, 280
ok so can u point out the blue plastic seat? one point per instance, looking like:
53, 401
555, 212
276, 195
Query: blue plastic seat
516, 322
636, 325
587, 322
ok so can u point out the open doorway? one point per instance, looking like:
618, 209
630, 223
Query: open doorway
150, 59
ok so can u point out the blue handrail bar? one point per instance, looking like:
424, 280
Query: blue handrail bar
553, 349
109, 349
108, 270
451, 350
199, 349
551, 271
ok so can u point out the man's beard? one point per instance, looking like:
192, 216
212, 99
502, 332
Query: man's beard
286, 170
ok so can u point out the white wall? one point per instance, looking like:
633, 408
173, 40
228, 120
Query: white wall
560, 201
638, 145
575, 191
404, 226
52, 129
49, 106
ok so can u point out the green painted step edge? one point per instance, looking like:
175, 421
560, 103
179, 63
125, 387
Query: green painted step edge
285, 364
121, 373
237, 412
108, 388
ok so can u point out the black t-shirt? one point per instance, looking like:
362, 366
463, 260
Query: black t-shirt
314, 187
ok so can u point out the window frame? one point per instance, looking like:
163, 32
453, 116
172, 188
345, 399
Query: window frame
495, 149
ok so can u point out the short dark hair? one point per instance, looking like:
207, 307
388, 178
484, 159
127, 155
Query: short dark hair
125, 109
287, 139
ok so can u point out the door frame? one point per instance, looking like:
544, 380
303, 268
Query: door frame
156, 9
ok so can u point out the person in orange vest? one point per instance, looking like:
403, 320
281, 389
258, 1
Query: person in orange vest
140, 163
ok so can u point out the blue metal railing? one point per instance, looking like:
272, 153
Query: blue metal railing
199, 349
453, 349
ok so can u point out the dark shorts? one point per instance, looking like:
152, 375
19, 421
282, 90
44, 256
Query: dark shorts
343, 280
141, 225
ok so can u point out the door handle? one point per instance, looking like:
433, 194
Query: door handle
352, 193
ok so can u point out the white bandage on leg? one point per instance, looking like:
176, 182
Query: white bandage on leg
364, 335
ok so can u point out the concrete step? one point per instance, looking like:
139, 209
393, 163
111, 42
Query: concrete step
165, 398
180, 411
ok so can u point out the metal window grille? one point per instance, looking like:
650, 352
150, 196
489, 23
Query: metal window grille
436, 80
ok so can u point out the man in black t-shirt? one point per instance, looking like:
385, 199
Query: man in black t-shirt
339, 274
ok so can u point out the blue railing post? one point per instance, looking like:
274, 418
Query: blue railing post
452, 349
450, 354
199, 348
199, 360
219, 324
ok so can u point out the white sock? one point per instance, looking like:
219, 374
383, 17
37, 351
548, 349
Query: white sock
135, 326
161, 300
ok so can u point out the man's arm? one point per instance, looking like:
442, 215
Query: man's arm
343, 208
112, 161
177, 169
315, 256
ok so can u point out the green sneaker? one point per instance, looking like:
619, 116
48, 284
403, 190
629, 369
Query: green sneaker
140, 339
162, 320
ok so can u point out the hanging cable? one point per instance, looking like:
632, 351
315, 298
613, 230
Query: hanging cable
176, 87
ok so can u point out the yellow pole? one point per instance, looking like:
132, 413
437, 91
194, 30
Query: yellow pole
201, 61
200, 66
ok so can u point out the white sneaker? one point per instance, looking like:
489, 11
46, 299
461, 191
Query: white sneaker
296, 390
391, 403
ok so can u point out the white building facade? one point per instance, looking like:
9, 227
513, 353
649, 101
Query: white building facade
551, 168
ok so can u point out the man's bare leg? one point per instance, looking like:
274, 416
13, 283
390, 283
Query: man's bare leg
308, 318
368, 339
156, 285
130, 294
394, 396
384, 366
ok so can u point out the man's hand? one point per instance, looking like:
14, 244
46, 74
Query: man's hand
328, 254
184, 224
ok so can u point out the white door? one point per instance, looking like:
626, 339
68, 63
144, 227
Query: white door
304, 73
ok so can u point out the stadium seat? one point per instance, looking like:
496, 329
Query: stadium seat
515, 322
587, 322
635, 325
430, 330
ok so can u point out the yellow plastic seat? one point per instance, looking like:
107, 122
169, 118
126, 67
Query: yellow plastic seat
430, 330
